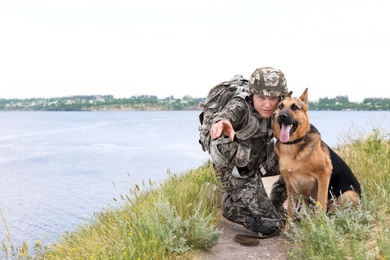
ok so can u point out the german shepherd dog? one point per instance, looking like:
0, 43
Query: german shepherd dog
309, 167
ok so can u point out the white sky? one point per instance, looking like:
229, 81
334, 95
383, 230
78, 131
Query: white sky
177, 47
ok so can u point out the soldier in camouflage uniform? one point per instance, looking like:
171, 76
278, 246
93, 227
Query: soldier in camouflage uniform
245, 200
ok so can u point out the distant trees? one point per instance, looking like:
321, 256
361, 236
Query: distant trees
383, 103
342, 103
150, 102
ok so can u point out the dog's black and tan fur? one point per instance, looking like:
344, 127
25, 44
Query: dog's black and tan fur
309, 167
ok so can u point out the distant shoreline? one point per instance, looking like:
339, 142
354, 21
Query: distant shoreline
152, 103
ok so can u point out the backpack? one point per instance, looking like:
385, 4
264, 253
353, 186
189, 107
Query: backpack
216, 100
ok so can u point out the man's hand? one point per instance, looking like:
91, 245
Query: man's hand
224, 127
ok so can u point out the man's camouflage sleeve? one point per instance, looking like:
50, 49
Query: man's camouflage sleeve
235, 112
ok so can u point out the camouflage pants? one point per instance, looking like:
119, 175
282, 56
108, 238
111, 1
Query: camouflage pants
278, 193
246, 202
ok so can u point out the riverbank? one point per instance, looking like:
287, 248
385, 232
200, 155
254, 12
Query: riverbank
180, 218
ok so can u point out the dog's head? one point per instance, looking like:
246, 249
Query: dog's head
291, 120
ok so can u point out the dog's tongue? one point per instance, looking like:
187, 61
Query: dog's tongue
285, 133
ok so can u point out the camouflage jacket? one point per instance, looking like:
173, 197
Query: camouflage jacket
247, 154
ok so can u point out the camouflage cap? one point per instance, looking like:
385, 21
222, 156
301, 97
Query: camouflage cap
268, 81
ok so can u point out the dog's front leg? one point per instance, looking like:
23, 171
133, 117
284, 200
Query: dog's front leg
289, 205
291, 200
323, 186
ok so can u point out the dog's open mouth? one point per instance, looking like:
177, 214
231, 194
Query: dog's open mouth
286, 130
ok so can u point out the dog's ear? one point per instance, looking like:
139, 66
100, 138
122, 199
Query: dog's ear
289, 94
305, 96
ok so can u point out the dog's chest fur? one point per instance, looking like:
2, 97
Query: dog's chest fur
297, 168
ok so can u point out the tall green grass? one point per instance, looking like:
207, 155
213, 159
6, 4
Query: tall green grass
155, 221
352, 233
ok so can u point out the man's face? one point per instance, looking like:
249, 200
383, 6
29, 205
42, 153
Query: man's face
265, 106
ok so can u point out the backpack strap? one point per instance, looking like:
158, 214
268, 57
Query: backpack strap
250, 129
253, 124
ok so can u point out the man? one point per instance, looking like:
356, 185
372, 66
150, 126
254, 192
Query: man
250, 156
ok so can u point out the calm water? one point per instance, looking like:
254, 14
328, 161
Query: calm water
58, 168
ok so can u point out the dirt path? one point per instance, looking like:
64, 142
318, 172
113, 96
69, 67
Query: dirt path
228, 249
